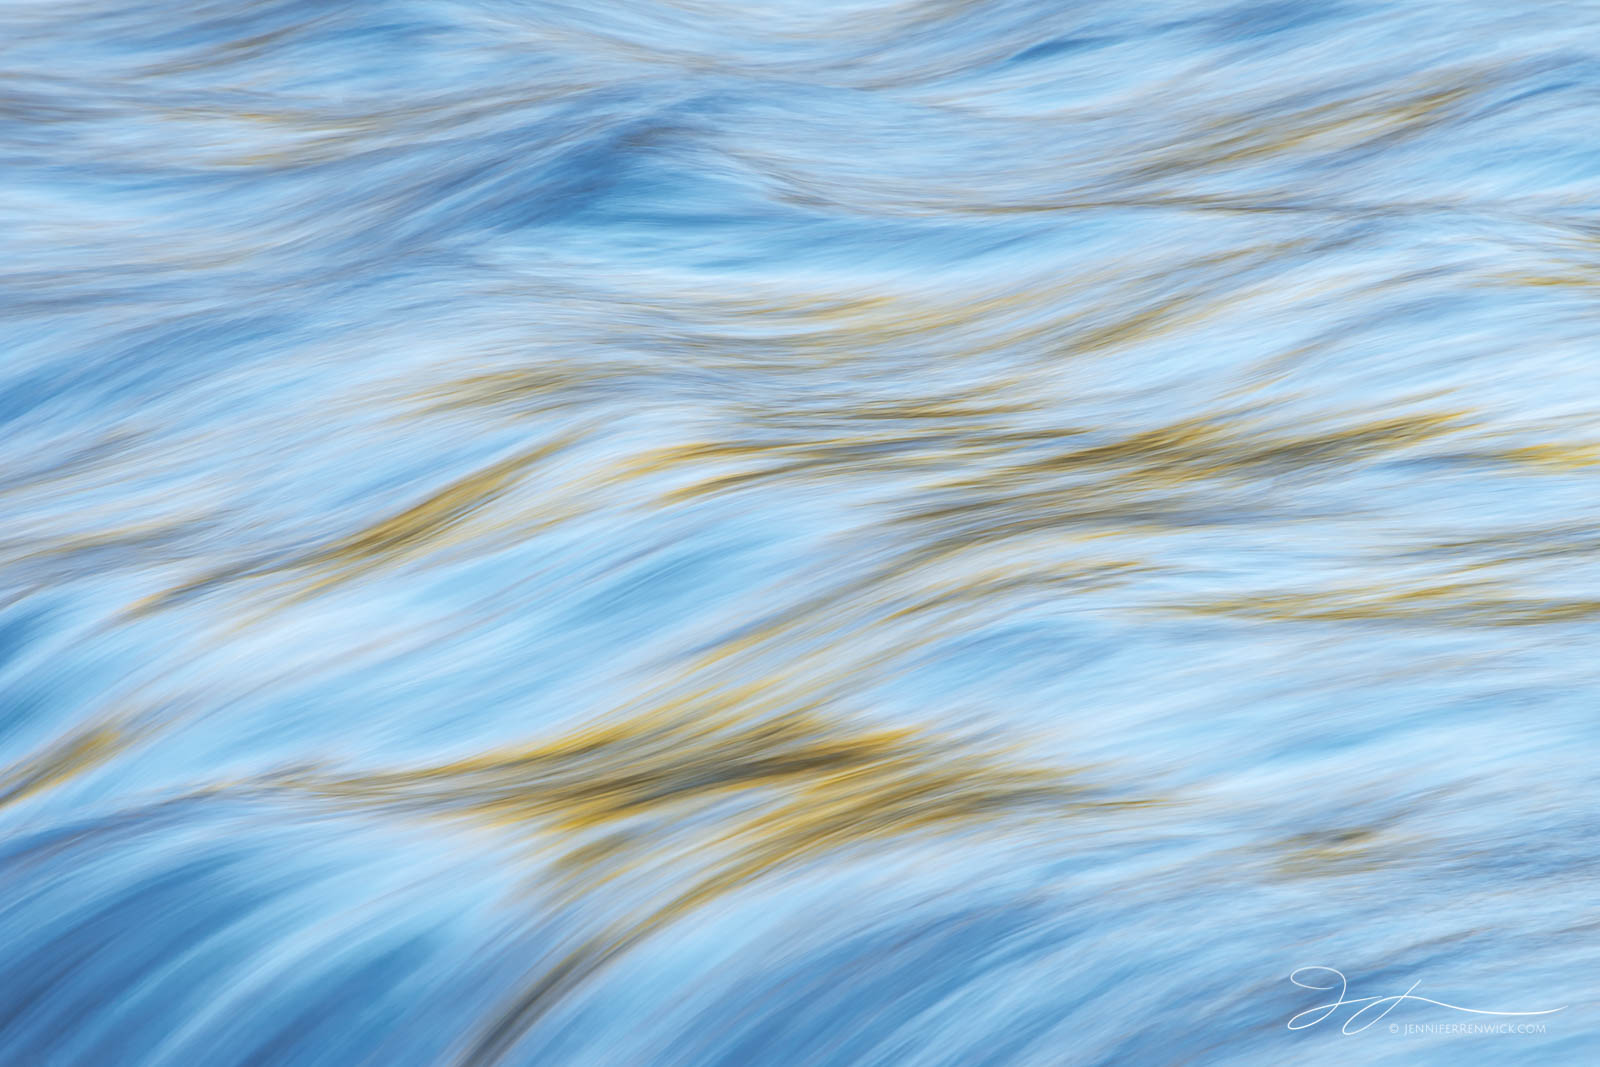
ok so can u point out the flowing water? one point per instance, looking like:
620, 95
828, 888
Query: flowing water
675, 532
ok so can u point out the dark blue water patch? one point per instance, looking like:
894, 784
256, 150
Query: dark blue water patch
685, 224
109, 946
138, 959
37, 690
1060, 46
1253, 20
22, 704
20, 625
512, 179
135, 1016
1573, 76
846, 999
320, 1026
154, 360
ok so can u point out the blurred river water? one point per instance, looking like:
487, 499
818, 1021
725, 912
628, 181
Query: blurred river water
671, 532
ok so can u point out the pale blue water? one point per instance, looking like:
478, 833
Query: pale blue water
678, 532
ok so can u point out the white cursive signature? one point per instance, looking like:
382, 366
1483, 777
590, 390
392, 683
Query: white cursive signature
1370, 1003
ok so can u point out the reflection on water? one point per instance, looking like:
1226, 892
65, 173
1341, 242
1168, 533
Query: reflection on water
670, 533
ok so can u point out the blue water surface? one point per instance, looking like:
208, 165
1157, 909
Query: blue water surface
679, 532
